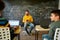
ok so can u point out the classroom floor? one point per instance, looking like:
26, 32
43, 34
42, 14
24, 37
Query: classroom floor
25, 36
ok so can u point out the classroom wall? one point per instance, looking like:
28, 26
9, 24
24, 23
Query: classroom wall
40, 10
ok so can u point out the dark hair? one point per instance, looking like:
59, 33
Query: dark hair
2, 5
56, 12
27, 10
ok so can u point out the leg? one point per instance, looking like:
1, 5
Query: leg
45, 37
31, 27
12, 33
25, 27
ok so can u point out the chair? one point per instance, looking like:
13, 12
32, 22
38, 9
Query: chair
17, 31
5, 33
57, 34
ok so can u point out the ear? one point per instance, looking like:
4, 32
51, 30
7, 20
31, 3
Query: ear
57, 17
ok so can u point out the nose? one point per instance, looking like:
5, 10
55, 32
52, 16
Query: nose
50, 17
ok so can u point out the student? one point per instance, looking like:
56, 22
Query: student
55, 16
3, 21
28, 21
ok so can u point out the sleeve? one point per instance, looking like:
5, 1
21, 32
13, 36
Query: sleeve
7, 23
51, 31
31, 19
23, 19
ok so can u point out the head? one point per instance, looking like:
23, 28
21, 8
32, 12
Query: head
2, 6
55, 15
27, 12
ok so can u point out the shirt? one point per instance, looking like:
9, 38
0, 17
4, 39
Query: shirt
27, 18
53, 27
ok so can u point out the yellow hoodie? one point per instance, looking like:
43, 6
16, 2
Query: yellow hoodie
29, 18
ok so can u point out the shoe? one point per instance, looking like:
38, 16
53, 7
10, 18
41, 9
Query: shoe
29, 33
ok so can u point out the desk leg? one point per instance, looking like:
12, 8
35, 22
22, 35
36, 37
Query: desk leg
36, 35
19, 37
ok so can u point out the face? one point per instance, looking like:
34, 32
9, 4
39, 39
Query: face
27, 13
52, 17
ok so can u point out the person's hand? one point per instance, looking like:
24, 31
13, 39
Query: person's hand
26, 20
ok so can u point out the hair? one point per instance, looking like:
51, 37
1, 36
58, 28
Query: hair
2, 5
56, 12
27, 10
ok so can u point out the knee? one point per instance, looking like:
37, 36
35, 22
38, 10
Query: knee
25, 24
32, 25
45, 37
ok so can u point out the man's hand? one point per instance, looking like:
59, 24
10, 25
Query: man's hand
26, 20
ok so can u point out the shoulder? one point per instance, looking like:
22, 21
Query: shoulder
52, 24
24, 16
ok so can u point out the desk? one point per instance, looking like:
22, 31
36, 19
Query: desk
38, 29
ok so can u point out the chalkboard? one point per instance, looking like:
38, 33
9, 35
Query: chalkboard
39, 10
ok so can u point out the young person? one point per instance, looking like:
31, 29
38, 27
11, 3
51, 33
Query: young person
55, 17
28, 21
3, 21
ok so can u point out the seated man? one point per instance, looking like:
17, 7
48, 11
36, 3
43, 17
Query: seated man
55, 16
3, 21
28, 21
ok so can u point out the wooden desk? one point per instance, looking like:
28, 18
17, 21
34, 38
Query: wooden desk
39, 30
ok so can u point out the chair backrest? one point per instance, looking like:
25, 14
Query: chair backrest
4, 33
57, 34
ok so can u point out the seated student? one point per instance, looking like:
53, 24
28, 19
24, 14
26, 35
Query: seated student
28, 21
55, 16
3, 21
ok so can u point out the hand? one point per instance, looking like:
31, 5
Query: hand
27, 20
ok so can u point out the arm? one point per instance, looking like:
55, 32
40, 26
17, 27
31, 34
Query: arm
31, 19
51, 33
23, 19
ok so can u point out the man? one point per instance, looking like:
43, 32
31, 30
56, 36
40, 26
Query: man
28, 21
55, 16
3, 21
